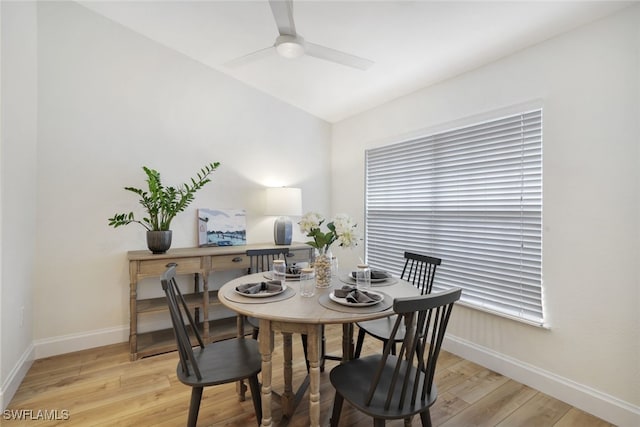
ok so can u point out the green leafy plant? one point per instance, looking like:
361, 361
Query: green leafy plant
163, 203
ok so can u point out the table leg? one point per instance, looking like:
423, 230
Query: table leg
266, 350
133, 321
134, 266
314, 337
288, 398
205, 303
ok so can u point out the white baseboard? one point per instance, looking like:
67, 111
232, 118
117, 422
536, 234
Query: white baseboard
53, 347
602, 405
17, 374
82, 341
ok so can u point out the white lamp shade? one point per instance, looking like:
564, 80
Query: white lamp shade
284, 201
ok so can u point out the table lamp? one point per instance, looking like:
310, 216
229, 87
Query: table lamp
283, 202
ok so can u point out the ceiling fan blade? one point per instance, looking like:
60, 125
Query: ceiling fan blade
250, 57
283, 14
337, 56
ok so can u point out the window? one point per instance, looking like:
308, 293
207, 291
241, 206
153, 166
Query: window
471, 196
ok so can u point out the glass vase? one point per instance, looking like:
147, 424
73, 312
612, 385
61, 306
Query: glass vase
322, 266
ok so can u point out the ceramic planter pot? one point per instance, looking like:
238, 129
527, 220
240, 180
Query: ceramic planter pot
159, 242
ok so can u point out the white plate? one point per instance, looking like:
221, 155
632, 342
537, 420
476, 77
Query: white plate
262, 294
290, 277
372, 279
343, 301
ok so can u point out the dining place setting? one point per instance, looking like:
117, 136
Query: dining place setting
378, 278
272, 284
259, 291
356, 294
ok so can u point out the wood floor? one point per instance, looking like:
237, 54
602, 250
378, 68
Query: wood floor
101, 387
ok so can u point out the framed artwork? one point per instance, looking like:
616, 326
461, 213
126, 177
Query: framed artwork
222, 227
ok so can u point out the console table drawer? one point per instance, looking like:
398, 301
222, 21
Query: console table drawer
229, 262
157, 267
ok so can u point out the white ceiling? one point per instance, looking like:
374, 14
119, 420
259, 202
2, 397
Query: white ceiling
413, 43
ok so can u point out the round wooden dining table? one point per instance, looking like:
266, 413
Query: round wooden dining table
290, 313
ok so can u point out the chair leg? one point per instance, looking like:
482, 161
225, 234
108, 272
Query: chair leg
255, 396
393, 346
425, 417
337, 408
194, 407
378, 422
255, 333
303, 338
359, 343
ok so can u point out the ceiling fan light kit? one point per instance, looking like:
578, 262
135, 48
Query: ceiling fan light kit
291, 45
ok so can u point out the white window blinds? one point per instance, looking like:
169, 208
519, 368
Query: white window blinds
471, 196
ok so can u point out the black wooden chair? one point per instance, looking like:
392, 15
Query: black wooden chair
260, 260
420, 271
216, 363
385, 386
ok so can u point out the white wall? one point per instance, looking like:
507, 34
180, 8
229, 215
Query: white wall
588, 83
17, 191
111, 101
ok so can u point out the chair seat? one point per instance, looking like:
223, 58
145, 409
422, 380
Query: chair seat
381, 328
223, 362
352, 381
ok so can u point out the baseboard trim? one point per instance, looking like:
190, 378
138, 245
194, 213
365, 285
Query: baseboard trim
602, 405
82, 341
15, 377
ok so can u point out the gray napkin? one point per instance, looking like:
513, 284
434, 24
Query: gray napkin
262, 287
354, 295
294, 269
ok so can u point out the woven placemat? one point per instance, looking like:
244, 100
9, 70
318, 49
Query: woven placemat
383, 305
232, 295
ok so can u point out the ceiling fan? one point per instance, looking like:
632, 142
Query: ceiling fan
289, 44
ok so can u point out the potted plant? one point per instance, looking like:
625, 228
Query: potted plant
162, 204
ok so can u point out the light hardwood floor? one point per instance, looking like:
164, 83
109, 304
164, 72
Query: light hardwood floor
101, 387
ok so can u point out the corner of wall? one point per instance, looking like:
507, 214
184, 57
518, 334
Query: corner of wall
15, 377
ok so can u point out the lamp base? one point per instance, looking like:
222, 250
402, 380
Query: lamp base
282, 230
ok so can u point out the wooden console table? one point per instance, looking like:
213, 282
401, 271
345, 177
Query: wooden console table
197, 261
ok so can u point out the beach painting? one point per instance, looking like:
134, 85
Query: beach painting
222, 227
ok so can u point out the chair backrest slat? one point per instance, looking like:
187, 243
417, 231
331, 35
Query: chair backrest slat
385, 355
260, 259
181, 333
426, 317
420, 270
